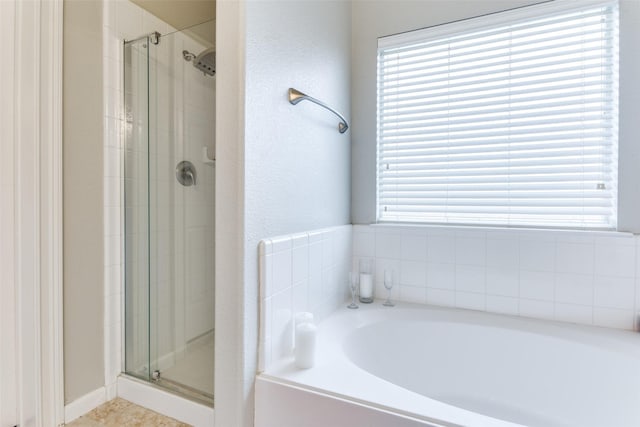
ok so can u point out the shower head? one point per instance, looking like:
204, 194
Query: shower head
205, 62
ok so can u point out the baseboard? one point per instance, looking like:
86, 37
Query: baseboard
165, 403
84, 404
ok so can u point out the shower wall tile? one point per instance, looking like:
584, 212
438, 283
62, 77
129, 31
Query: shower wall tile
581, 277
301, 272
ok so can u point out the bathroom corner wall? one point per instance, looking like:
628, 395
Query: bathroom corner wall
295, 167
589, 278
83, 198
299, 272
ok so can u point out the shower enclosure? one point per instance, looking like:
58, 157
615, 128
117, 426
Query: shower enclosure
169, 204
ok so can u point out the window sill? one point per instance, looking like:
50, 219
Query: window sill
489, 230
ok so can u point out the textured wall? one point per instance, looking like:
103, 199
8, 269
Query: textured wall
296, 164
83, 201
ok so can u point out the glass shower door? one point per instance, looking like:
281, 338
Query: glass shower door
169, 215
182, 117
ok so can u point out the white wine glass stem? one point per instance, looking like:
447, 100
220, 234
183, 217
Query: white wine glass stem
388, 284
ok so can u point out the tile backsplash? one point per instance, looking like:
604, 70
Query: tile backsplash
581, 277
299, 272
590, 278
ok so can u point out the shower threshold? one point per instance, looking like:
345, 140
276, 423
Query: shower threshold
185, 391
165, 401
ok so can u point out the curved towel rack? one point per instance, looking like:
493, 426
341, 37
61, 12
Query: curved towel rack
296, 96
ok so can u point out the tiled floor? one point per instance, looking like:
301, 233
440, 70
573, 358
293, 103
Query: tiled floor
120, 413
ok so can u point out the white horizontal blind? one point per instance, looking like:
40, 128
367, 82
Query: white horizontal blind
510, 124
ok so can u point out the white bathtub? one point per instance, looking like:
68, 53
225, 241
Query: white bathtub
447, 367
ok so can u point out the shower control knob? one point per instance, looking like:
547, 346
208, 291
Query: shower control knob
186, 173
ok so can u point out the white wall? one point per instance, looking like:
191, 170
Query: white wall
373, 19
230, 314
296, 164
83, 199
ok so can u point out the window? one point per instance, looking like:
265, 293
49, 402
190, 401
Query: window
507, 119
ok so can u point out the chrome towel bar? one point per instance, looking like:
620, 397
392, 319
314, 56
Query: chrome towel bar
296, 96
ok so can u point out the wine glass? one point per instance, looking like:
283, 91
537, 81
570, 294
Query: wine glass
353, 287
388, 284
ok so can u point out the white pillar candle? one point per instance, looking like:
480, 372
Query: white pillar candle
305, 352
366, 286
299, 319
